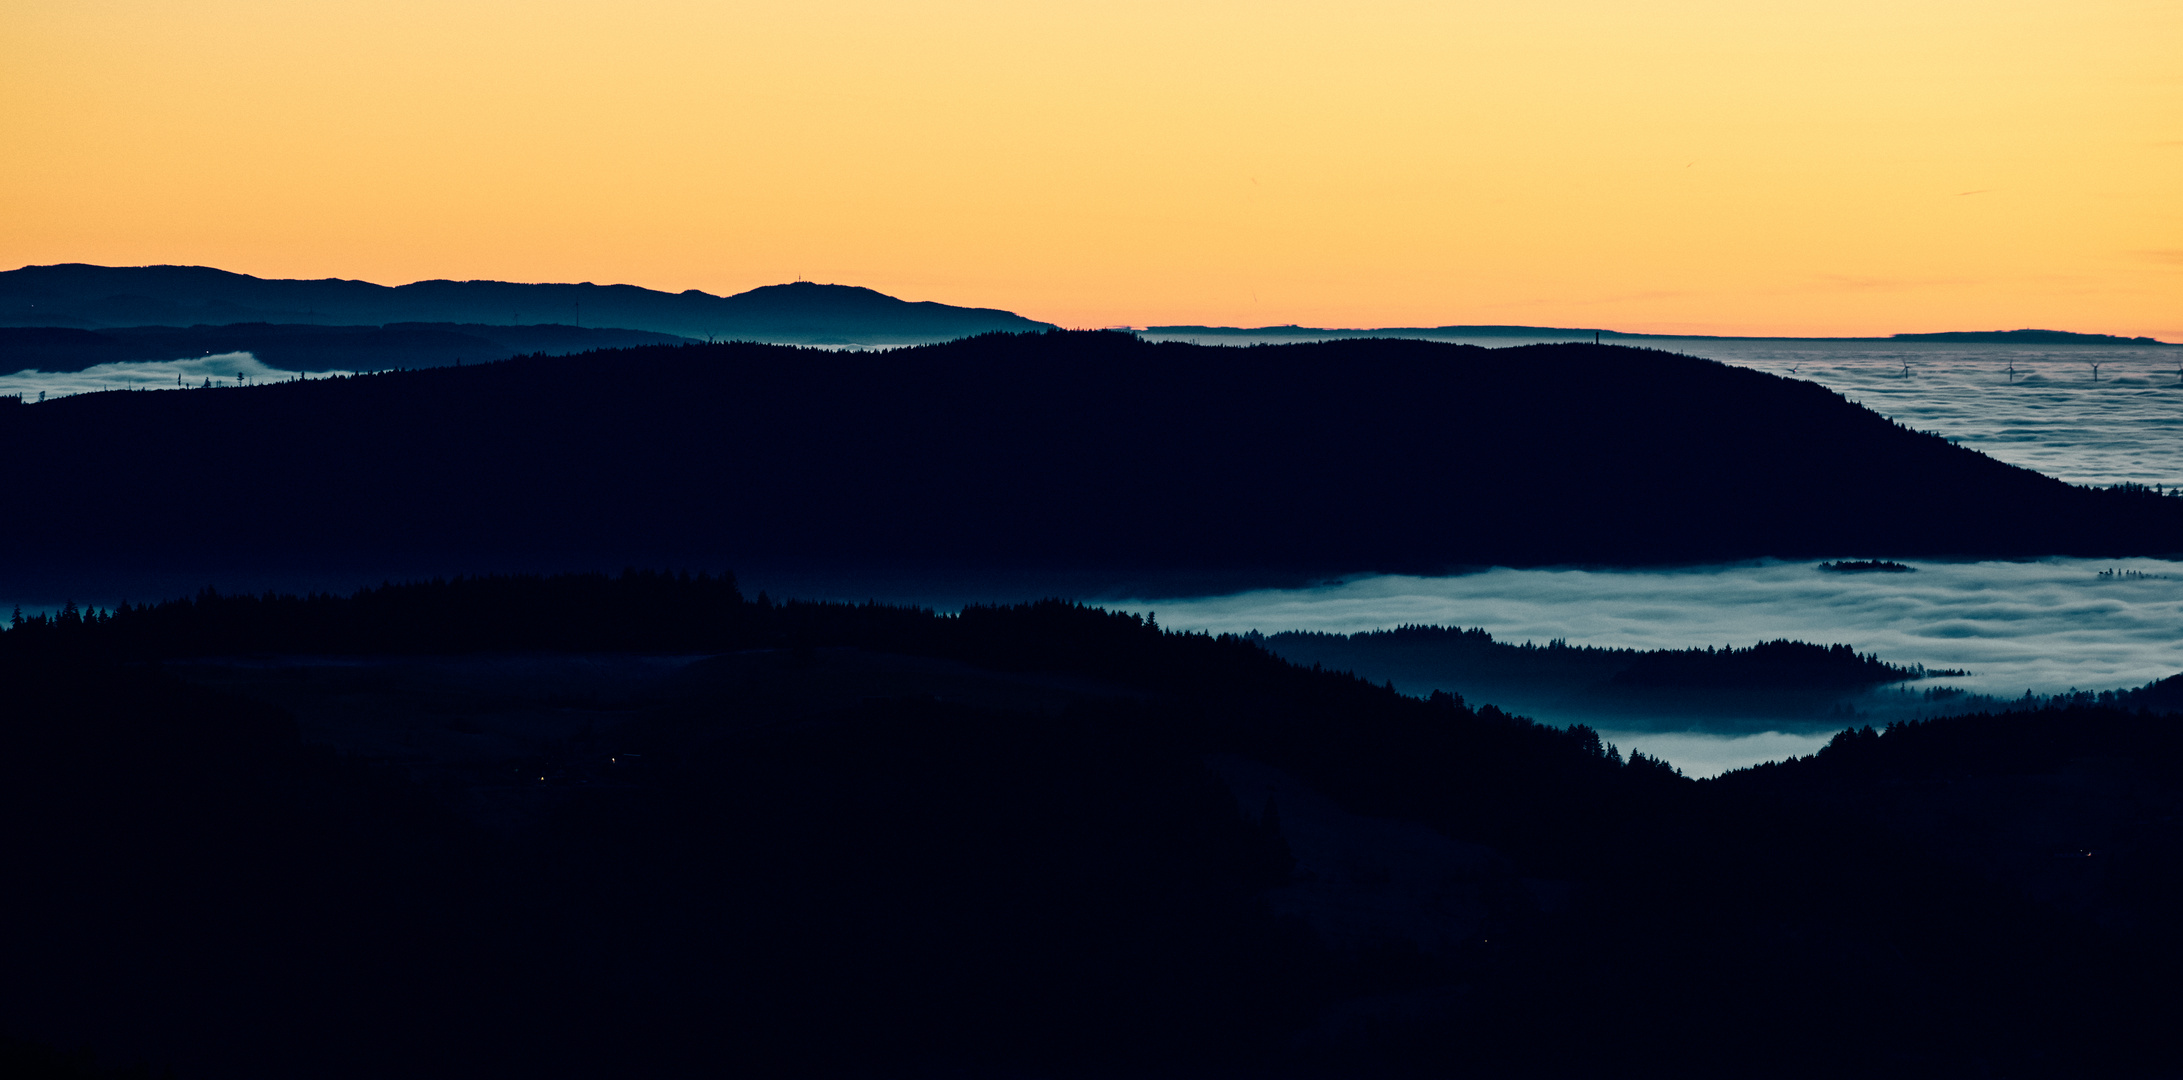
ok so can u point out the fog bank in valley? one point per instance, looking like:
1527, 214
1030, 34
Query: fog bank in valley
2046, 626
192, 373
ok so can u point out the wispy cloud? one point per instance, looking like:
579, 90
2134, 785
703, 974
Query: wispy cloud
1860, 283
1532, 303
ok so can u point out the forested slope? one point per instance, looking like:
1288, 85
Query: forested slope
720, 881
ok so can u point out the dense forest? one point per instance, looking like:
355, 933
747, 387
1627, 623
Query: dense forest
1771, 678
2075, 802
1024, 840
1125, 457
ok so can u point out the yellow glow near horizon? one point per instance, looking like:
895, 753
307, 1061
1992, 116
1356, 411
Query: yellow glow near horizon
1706, 166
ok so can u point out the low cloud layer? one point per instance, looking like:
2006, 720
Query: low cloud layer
2044, 626
220, 369
1702, 754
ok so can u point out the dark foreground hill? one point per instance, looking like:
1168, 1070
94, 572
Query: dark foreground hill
642, 826
1057, 451
84, 296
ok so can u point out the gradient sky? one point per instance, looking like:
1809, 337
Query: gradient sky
1837, 167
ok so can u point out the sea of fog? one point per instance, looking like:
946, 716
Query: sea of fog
2086, 414
2045, 627
198, 372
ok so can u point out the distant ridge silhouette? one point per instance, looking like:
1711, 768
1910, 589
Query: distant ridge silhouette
1054, 451
83, 296
2027, 337
1968, 337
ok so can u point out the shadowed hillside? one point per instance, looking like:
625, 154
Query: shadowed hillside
1053, 451
587, 826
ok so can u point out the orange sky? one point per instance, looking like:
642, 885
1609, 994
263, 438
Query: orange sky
1836, 167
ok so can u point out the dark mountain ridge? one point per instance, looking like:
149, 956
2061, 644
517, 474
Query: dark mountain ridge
1982, 337
85, 296
1085, 451
90, 297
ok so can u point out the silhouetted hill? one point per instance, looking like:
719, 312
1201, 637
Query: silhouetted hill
476, 844
1053, 451
2026, 337
2160, 695
308, 348
1316, 333
84, 296
1292, 330
2073, 803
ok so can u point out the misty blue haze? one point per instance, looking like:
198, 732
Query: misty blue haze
192, 373
2045, 626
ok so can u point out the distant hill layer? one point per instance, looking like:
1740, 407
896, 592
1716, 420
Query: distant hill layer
91, 297
1969, 337
2026, 337
1292, 330
307, 348
1057, 450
